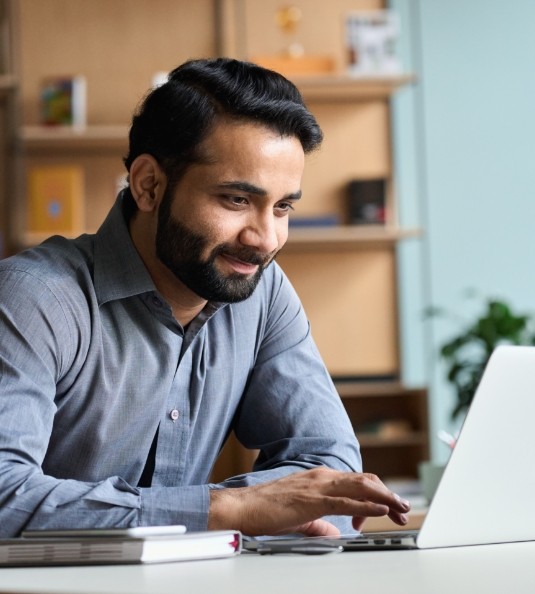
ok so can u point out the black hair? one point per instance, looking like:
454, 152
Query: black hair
176, 117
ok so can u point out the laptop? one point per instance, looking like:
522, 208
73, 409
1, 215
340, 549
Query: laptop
485, 495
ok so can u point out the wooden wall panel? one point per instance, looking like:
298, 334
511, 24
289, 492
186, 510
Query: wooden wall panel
118, 45
350, 299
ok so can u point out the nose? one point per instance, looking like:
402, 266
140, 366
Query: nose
265, 232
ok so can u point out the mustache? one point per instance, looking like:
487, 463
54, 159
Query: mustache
244, 254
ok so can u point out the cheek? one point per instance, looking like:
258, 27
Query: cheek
282, 232
215, 230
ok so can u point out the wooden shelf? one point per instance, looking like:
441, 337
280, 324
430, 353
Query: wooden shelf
416, 438
348, 389
345, 236
343, 87
304, 240
61, 138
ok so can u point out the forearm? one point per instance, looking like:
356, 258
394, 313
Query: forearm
41, 502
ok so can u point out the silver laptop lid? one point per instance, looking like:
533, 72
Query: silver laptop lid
487, 491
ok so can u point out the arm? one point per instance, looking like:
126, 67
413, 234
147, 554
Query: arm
39, 340
293, 415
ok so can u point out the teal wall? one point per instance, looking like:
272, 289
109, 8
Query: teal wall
464, 144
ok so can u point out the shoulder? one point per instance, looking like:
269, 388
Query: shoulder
274, 306
58, 267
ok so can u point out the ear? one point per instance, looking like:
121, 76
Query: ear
147, 182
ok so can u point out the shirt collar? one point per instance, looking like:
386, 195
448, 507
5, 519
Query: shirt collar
119, 271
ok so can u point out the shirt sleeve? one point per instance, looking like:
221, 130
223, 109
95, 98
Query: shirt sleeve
36, 346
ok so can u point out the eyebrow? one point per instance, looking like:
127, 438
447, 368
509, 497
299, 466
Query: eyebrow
252, 189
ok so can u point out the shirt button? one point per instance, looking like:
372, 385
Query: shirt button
174, 414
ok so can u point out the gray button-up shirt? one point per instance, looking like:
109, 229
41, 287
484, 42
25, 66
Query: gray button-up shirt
93, 364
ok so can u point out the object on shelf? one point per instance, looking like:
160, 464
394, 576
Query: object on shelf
293, 59
315, 221
63, 101
367, 202
385, 429
56, 199
371, 41
159, 78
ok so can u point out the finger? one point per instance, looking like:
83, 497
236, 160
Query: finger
319, 527
367, 487
398, 518
358, 522
393, 500
405, 505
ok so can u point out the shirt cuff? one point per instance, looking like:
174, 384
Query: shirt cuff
175, 505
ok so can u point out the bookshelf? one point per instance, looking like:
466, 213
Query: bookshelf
391, 422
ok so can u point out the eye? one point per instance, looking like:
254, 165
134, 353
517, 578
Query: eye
284, 207
235, 201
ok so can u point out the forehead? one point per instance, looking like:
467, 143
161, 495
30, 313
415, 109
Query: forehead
232, 137
247, 150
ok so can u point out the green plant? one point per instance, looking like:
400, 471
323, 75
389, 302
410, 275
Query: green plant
467, 353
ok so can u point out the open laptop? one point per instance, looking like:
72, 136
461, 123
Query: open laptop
486, 493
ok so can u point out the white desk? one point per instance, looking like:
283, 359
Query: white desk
489, 569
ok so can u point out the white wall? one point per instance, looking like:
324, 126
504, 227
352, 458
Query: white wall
465, 161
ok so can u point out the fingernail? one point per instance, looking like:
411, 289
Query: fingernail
403, 502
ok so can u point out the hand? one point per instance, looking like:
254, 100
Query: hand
297, 503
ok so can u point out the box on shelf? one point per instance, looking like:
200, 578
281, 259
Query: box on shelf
56, 199
367, 201
63, 101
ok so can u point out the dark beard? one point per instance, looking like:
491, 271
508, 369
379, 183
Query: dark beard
180, 249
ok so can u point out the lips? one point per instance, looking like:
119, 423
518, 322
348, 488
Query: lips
240, 266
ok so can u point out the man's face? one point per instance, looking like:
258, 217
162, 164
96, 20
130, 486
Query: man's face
226, 218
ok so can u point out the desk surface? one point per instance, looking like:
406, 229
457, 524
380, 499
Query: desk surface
486, 569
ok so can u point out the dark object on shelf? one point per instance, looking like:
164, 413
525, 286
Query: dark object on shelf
317, 221
367, 204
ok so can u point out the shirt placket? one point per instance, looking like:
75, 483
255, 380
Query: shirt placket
171, 453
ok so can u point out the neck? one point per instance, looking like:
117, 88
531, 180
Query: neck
185, 304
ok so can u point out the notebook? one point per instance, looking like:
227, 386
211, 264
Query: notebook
136, 545
485, 495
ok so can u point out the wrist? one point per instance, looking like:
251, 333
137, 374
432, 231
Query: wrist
223, 513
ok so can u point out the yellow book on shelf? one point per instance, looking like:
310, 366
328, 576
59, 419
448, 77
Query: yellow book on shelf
56, 199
